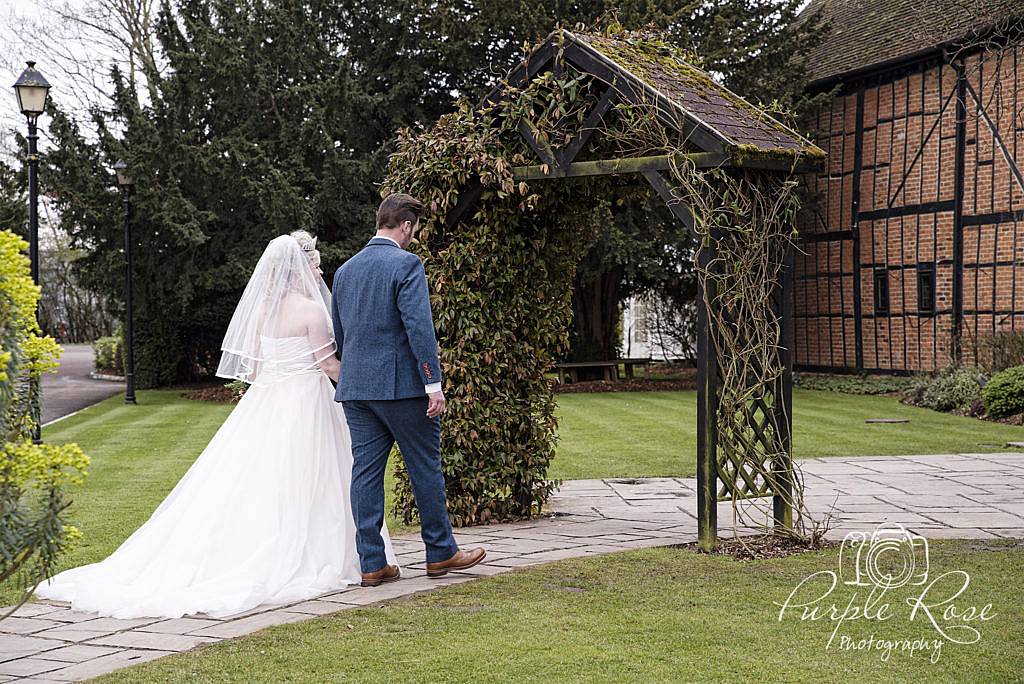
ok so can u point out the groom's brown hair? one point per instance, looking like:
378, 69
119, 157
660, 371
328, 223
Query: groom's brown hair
397, 208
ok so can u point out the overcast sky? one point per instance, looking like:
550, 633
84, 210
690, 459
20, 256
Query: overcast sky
14, 54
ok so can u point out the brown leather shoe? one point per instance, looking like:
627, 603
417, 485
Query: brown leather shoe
389, 573
462, 560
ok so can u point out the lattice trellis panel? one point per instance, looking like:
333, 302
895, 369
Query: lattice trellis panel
752, 448
745, 457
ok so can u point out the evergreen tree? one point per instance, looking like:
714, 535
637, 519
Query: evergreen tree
254, 132
13, 200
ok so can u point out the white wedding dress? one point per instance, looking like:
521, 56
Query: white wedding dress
261, 517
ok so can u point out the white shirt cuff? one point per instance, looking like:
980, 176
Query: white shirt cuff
433, 387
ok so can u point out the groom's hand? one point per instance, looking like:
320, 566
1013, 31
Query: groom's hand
435, 404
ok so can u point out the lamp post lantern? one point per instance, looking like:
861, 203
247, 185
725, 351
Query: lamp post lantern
126, 182
32, 90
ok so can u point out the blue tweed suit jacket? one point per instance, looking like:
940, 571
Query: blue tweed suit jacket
383, 325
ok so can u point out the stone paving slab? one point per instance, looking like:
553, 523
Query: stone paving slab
973, 496
78, 653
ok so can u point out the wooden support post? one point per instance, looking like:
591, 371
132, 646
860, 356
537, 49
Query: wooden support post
782, 499
707, 415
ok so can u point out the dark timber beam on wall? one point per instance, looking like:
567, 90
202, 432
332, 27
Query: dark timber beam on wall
958, 206
908, 210
829, 236
920, 149
1007, 154
858, 156
995, 217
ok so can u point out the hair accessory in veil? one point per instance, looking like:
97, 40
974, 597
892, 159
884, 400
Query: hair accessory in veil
308, 244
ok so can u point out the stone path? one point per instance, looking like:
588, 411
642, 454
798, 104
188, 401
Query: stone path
964, 495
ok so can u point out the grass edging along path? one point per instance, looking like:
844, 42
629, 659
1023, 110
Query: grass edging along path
692, 618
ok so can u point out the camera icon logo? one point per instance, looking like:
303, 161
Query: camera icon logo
891, 557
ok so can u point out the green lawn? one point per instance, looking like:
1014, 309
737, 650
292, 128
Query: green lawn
692, 618
655, 433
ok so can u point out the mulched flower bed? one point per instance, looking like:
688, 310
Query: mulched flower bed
757, 548
635, 385
218, 394
669, 378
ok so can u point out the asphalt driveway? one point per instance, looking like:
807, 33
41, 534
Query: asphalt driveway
71, 389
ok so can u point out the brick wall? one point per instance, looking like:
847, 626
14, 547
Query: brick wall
893, 138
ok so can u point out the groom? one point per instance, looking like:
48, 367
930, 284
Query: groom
390, 388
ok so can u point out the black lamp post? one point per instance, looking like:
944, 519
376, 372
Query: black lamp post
126, 182
32, 90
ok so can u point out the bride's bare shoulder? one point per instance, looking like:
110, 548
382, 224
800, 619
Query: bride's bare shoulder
301, 304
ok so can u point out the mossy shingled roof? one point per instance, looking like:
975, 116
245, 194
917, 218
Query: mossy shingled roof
727, 116
870, 33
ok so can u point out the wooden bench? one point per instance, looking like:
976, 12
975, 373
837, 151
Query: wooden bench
629, 364
609, 369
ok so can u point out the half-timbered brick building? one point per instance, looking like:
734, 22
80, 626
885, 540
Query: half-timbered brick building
913, 251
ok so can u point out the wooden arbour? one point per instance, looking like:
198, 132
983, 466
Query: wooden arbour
722, 130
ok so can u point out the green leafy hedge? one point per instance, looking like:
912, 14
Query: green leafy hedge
109, 354
952, 389
500, 283
1004, 393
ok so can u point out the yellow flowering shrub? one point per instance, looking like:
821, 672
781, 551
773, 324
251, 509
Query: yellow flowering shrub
16, 281
34, 478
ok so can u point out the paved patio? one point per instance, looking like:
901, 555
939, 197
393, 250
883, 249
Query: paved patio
976, 496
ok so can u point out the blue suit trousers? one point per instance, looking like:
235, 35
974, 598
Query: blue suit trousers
376, 426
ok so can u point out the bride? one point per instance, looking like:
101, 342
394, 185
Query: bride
263, 515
